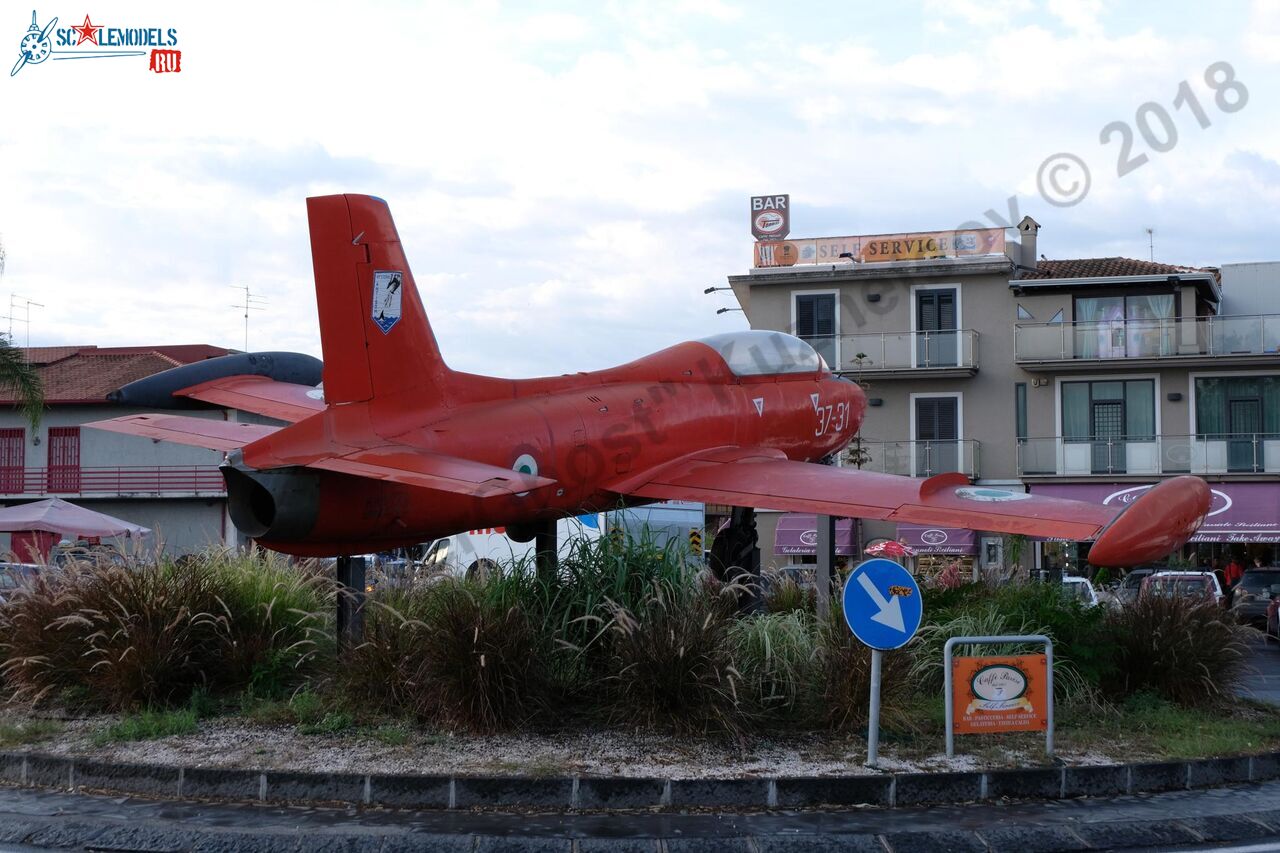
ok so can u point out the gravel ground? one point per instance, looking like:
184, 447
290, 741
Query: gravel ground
236, 743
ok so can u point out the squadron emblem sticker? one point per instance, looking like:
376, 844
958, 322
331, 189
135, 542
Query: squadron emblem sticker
387, 287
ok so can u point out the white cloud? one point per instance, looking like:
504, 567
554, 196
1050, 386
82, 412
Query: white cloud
568, 182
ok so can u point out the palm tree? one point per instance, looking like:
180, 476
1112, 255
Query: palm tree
19, 377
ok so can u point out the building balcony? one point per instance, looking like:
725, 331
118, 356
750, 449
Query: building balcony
908, 355
1241, 453
148, 482
919, 458
1192, 341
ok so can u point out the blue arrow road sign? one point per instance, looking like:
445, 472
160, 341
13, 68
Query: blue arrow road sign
882, 604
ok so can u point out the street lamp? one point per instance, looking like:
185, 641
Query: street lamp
714, 289
726, 310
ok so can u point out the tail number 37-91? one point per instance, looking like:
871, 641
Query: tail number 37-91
832, 418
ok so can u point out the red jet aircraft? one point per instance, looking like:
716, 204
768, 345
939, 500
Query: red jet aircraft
400, 449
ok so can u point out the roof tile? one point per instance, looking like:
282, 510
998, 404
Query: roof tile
86, 374
1105, 268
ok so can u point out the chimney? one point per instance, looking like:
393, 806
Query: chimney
1027, 229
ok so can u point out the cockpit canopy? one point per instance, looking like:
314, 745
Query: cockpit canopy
765, 353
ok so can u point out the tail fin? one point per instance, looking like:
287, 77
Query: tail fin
374, 331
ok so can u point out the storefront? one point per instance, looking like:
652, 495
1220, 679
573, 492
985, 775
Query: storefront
796, 536
1243, 522
938, 547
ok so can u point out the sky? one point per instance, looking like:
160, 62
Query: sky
567, 179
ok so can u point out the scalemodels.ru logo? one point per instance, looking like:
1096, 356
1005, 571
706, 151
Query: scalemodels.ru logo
95, 41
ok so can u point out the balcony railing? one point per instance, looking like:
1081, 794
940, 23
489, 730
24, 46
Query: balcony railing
156, 480
926, 352
1238, 453
920, 458
1190, 337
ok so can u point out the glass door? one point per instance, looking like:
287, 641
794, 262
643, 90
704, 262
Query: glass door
1108, 436
1244, 428
936, 328
816, 324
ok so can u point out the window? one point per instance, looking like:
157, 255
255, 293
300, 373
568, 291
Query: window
937, 435
936, 319
1024, 314
815, 315
1057, 317
1125, 326
1244, 411
1020, 411
13, 448
64, 459
1110, 414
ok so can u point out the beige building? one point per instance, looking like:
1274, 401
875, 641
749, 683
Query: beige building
1088, 378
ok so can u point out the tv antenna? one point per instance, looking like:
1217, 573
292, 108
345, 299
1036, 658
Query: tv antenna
27, 304
250, 303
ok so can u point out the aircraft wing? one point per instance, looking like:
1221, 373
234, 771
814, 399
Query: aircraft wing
180, 429
261, 395
1149, 528
397, 464
413, 467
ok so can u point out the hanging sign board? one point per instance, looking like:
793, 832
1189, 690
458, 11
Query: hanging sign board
770, 216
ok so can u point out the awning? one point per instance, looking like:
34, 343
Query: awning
1240, 512
797, 533
938, 540
54, 515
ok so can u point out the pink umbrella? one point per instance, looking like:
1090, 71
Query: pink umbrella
890, 548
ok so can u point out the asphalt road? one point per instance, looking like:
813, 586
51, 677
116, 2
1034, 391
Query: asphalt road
1248, 815
1262, 679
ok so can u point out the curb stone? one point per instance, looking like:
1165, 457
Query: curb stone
588, 793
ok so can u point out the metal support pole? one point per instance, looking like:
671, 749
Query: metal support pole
948, 709
544, 550
351, 595
947, 659
826, 562
873, 716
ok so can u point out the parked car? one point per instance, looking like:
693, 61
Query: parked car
1079, 589
1203, 585
1127, 590
13, 575
1252, 596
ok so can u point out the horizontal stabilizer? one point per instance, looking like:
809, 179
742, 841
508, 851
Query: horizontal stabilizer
259, 394
196, 432
413, 467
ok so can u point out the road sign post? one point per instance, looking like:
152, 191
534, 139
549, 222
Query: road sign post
883, 607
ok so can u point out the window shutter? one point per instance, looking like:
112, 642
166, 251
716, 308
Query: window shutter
805, 319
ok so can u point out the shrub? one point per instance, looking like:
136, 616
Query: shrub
671, 661
784, 595
927, 670
776, 656
277, 620
1081, 644
150, 635
456, 653
484, 664
381, 674
122, 637
1180, 649
845, 679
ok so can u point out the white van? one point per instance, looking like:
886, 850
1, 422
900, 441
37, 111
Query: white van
476, 552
